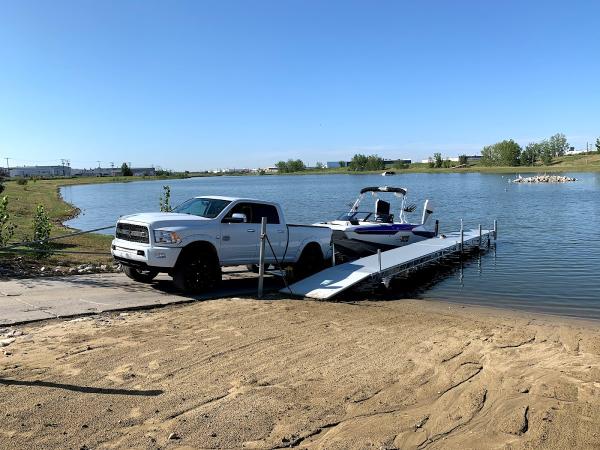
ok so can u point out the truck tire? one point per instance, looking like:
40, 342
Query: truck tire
141, 275
197, 272
310, 262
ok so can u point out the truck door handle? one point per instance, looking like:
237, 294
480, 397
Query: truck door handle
251, 230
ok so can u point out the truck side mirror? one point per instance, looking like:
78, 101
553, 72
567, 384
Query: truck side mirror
236, 218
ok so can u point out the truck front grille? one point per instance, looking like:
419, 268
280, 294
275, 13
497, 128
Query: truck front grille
133, 233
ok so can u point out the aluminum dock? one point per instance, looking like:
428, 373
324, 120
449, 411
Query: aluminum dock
389, 264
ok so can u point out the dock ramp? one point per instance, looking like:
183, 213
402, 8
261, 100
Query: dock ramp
333, 280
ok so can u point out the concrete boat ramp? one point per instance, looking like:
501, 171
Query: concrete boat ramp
28, 300
33, 299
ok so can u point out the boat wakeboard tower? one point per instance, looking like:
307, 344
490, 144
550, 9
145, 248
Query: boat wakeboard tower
359, 233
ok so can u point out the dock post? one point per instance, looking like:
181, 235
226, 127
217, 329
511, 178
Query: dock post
462, 236
261, 256
495, 229
379, 258
332, 254
479, 236
437, 227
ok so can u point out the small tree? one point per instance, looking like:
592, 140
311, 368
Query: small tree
430, 163
439, 162
126, 170
462, 160
320, 165
530, 154
504, 153
282, 167
546, 154
558, 145
7, 228
296, 165
41, 230
358, 162
374, 162
165, 200
400, 165
342, 163
598, 145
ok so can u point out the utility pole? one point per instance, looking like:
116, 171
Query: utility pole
7, 166
63, 162
112, 169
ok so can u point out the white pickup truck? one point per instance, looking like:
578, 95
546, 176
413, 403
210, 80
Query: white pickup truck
201, 235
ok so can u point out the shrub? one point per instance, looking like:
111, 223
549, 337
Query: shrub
165, 201
21, 181
7, 228
41, 230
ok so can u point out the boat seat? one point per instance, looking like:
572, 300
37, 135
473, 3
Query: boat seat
382, 211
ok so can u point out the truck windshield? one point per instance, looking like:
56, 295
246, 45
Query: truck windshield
203, 207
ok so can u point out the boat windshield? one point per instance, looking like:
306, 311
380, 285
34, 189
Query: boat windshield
359, 216
203, 207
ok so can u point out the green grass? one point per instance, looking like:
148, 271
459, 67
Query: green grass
23, 200
575, 163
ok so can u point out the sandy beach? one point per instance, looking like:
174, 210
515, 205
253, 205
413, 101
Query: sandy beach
243, 373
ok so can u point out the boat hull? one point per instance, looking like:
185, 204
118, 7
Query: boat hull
364, 241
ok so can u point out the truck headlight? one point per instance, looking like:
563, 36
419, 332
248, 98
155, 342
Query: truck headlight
166, 237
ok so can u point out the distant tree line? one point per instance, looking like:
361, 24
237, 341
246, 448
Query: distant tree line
437, 162
290, 166
360, 163
509, 153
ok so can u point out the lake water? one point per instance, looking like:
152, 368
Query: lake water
547, 258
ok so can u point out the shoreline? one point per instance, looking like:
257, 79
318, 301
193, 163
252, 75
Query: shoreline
475, 169
282, 372
23, 200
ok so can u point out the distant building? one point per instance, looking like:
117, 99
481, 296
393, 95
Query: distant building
112, 172
40, 171
97, 172
389, 162
143, 171
470, 158
336, 164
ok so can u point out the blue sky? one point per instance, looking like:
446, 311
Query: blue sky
201, 85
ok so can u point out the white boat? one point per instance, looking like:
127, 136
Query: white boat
359, 233
388, 173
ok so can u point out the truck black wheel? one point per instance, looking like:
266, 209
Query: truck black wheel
310, 262
141, 275
197, 273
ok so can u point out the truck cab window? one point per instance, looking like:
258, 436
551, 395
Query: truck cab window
203, 207
242, 208
261, 210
